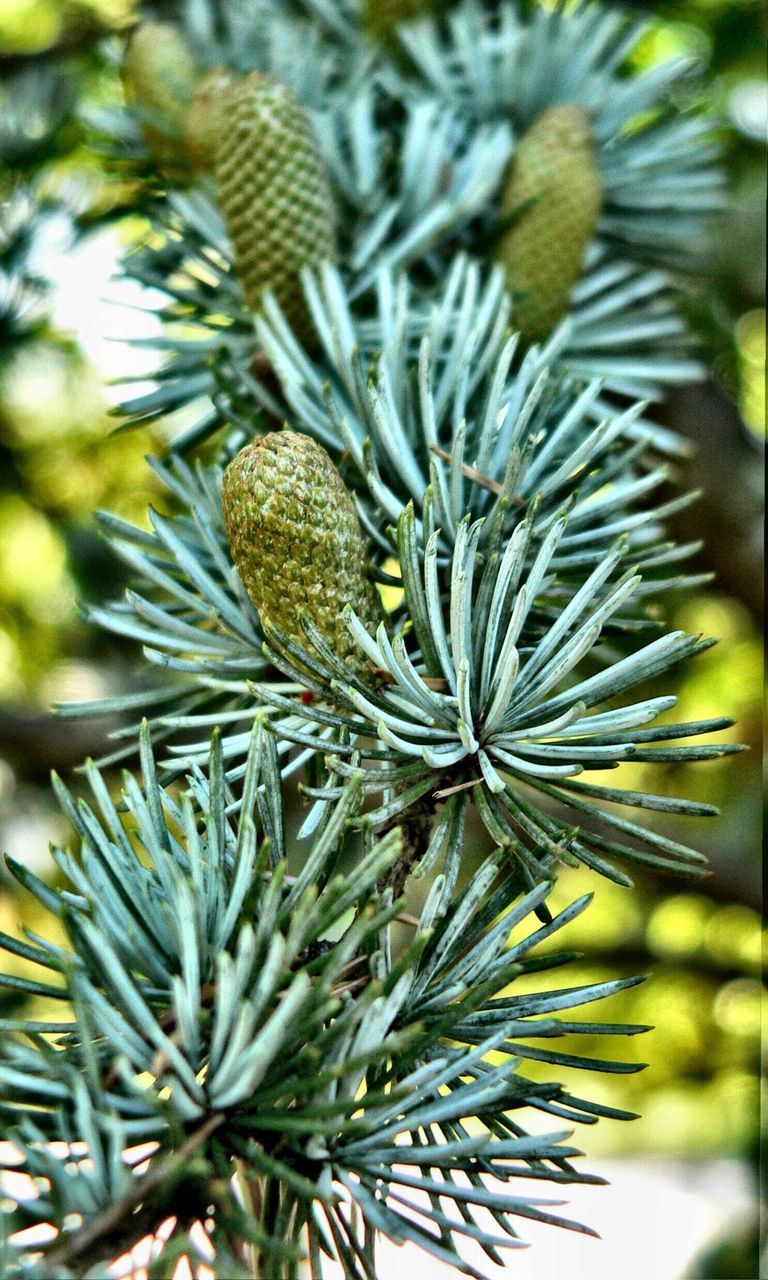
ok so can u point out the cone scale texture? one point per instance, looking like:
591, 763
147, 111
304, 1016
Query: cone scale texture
274, 192
553, 195
296, 540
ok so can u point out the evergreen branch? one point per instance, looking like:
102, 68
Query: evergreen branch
657, 166
240, 1000
117, 1227
213, 1027
514, 718
525, 428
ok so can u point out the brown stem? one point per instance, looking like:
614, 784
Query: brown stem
416, 827
120, 1224
472, 473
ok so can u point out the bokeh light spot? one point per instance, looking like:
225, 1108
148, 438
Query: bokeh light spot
676, 927
733, 936
32, 555
739, 1006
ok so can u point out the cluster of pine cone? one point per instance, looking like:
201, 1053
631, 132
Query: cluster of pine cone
289, 518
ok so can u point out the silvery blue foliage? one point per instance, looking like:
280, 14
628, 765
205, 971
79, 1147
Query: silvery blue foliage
417, 155
437, 396
257, 989
657, 164
466, 699
263, 1040
428, 405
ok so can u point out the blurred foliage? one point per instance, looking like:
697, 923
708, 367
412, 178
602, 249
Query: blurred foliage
699, 1096
727, 307
60, 458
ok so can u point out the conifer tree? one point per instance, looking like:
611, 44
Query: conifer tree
421, 273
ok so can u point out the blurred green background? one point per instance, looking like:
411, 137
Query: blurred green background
66, 217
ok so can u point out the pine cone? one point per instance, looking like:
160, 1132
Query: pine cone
159, 76
202, 123
296, 540
554, 191
274, 191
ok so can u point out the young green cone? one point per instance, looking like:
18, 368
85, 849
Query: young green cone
274, 192
553, 193
159, 76
296, 540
